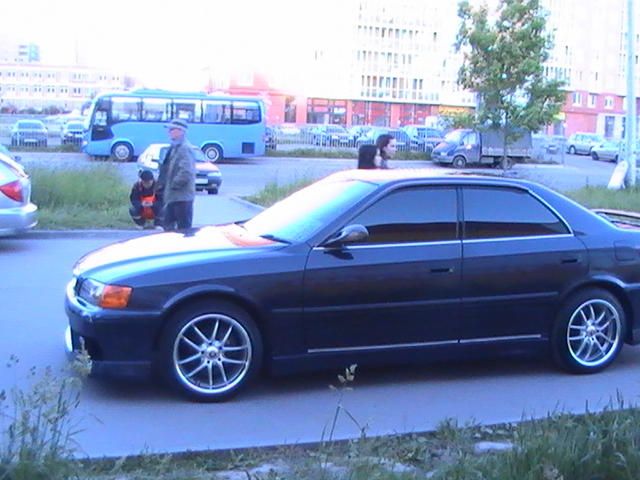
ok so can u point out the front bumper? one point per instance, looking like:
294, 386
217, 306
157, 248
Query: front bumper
17, 220
120, 343
208, 182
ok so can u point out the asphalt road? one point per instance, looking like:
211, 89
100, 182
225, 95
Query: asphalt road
120, 419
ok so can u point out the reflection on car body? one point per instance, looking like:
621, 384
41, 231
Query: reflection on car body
370, 267
17, 213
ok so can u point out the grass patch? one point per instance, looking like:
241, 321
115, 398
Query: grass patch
91, 197
602, 197
274, 192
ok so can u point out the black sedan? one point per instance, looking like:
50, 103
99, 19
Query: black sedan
368, 267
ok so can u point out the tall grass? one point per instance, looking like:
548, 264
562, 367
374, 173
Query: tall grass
91, 197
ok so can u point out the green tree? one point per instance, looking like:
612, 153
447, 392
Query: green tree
503, 62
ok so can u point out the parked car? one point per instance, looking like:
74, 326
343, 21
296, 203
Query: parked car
429, 136
358, 131
582, 143
208, 176
270, 138
607, 150
72, 132
355, 269
403, 141
29, 132
17, 213
330, 135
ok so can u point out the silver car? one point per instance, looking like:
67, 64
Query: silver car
608, 150
582, 143
17, 213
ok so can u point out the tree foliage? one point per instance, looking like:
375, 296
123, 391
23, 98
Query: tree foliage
503, 63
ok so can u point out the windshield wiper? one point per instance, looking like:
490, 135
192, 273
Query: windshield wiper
275, 238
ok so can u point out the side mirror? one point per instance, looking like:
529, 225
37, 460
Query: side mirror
349, 234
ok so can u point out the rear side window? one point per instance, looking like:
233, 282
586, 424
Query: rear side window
245, 112
505, 212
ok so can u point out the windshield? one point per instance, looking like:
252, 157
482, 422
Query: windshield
455, 136
30, 125
302, 214
75, 125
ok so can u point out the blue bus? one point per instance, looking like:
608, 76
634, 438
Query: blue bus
123, 124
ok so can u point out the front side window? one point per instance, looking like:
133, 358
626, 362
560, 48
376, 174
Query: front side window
470, 139
412, 215
506, 212
125, 109
245, 112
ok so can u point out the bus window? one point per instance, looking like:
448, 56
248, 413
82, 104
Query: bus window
156, 109
216, 111
187, 110
245, 112
124, 109
100, 118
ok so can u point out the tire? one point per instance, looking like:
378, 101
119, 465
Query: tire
122, 152
615, 159
459, 162
213, 153
572, 150
591, 319
213, 191
594, 155
192, 351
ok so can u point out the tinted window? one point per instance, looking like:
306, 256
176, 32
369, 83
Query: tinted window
503, 212
216, 111
421, 214
188, 110
125, 109
245, 112
156, 109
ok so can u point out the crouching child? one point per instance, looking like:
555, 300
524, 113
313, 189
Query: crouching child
146, 206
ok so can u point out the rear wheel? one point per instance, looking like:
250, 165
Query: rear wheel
213, 153
572, 150
210, 350
589, 331
122, 152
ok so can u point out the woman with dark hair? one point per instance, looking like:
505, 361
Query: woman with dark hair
386, 145
368, 157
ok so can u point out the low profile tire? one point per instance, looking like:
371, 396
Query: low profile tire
589, 331
459, 162
213, 153
572, 150
209, 351
122, 152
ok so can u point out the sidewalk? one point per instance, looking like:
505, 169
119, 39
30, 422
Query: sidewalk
207, 210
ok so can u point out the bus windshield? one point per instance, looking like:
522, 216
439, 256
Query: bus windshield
124, 124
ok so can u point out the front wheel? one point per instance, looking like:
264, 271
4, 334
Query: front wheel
122, 152
594, 155
459, 162
572, 150
210, 350
589, 331
213, 153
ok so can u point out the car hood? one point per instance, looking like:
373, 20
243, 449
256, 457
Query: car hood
445, 146
171, 245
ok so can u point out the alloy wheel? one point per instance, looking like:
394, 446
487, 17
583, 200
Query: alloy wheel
594, 333
212, 354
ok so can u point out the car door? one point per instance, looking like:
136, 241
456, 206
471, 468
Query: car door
518, 255
399, 288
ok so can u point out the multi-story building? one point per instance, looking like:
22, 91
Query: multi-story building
39, 86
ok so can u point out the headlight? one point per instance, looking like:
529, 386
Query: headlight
213, 174
103, 295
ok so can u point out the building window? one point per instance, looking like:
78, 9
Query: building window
592, 100
577, 99
608, 102
289, 110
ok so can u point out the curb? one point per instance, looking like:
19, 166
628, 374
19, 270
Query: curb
246, 203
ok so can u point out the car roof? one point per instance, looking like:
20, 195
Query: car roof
409, 175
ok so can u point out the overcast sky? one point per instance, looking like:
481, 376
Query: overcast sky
157, 39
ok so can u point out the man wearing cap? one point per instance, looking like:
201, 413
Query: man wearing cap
177, 178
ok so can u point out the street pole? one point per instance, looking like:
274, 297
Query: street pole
631, 97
